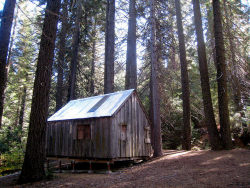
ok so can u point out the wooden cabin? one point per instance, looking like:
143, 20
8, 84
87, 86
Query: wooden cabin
108, 127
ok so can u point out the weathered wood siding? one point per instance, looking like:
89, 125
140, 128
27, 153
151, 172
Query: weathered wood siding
62, 139
107, 135
132, 115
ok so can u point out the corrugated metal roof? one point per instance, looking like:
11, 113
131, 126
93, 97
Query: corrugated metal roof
97, 106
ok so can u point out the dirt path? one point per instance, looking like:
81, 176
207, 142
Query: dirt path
174, 169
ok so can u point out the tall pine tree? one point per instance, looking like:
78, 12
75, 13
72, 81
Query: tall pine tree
221, 77
33, 166
154, 88
213, 133
131, 66
109, 47
184, 81
5, 30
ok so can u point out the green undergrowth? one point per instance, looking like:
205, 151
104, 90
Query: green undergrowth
11, 161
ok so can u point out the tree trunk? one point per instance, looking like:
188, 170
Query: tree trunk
22, 110
18, 111
5, 30
33, 166
131, 66
92, 79
213, 133
235, 82
221, 77
184, 81
210, 33
61, 55
154, 88
109, 47
11, 45
74, 58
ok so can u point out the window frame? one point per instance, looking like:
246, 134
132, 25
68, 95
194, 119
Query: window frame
85, 130
124, 130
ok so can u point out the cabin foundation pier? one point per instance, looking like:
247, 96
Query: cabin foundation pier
90, 171
109, 171
47, 165
60, 166
73, 166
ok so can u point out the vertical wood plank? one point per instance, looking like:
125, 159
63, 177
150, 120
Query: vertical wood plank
129, 126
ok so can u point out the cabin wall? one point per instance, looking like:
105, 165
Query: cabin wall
131, 115
62, 139
107, 135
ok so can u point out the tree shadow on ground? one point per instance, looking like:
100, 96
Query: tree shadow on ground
173, 169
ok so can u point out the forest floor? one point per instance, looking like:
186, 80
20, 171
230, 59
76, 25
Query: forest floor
174, 169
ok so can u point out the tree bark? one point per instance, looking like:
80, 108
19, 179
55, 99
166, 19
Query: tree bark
235, 84
11, 45
154, 88
210, 33
131, 65
213, 133
22, 110
221, 77
92, 79
33, 166
74, 58
109, 47
5, 30
61, 56
184, 81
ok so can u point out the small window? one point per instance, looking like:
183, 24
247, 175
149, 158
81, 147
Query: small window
124, 132
83, 132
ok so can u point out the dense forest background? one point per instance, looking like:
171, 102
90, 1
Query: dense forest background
79, 65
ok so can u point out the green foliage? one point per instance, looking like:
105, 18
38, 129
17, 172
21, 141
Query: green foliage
9, 137
12, 160
49, 175
172, 127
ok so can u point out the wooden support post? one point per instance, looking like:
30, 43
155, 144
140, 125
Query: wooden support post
47, 165
73, 166
90, 167
108, 165
60, 166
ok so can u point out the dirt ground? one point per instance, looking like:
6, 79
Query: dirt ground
174, 169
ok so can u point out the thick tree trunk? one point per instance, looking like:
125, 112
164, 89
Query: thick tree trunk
61, 56
33, 166
213, 133
131, 65
109, 47
74, 58
5, 30
221, 77
184, 81
154, 88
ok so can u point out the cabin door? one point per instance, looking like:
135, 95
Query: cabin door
124, 140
